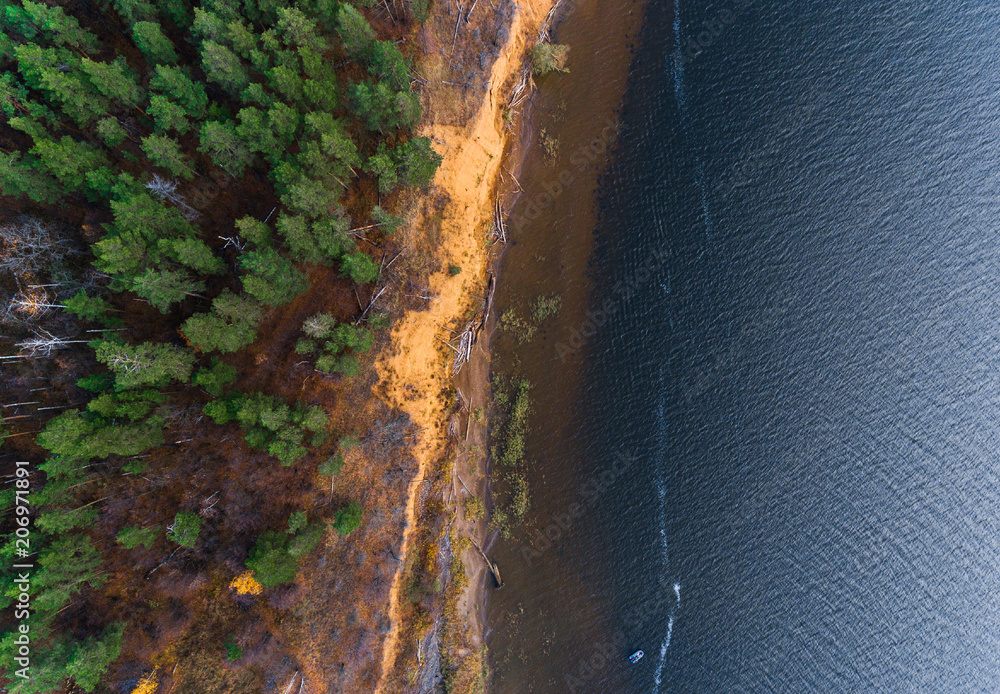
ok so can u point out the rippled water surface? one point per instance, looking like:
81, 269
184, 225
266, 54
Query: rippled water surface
793, 388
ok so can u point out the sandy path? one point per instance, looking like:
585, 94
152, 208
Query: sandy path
419, 363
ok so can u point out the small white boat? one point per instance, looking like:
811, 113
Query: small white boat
636, 657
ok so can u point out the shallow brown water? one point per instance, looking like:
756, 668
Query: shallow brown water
533, 637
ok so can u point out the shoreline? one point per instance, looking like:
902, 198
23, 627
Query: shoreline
416, 370
484, 158
552, 226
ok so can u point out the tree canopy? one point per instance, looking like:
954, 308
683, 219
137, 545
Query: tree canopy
161, 135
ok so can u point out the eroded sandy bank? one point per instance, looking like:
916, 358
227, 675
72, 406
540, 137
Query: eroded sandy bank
415, 372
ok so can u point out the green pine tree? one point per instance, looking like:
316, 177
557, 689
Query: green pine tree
114, 80
62, 29
69, 160
111, 131
355, 31
230, 326
348, 519
164, 151
224, 67
22, 178
359, 267
87, 307
176, 83
131, 537
241, 38
163, 288
254, 231
140, 213
270, 561
383, 168
226, 149
271, 278
185, 528
146, 364
151, 40
215, 377
195, 254
417, 161
167, 115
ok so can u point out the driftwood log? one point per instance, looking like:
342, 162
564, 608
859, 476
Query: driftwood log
469, 336
494, 569
499, 229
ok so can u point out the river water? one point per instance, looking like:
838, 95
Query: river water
768, 455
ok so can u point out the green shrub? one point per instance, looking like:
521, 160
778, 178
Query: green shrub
549, 143
545, 306
332, 465
223, 410
348, 518
296, 522
511, 321
521, 500
547, 57
307, 540
131, 537
474, 508
420, 10
270, 561
515, 429
379, 320
185, 528
233, 651
87, 307
215, 377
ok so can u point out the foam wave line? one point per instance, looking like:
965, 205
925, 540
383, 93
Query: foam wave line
680, 94
661, 485
658, 677
661, 489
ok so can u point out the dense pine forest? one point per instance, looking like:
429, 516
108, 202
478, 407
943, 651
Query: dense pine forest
171, 174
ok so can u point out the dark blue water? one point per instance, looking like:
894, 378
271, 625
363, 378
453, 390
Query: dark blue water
801, 235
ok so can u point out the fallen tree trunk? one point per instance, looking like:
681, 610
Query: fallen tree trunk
494, 569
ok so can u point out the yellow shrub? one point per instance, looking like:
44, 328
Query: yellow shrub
246, 584
147, 685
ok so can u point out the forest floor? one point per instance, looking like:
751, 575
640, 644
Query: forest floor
372, 609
